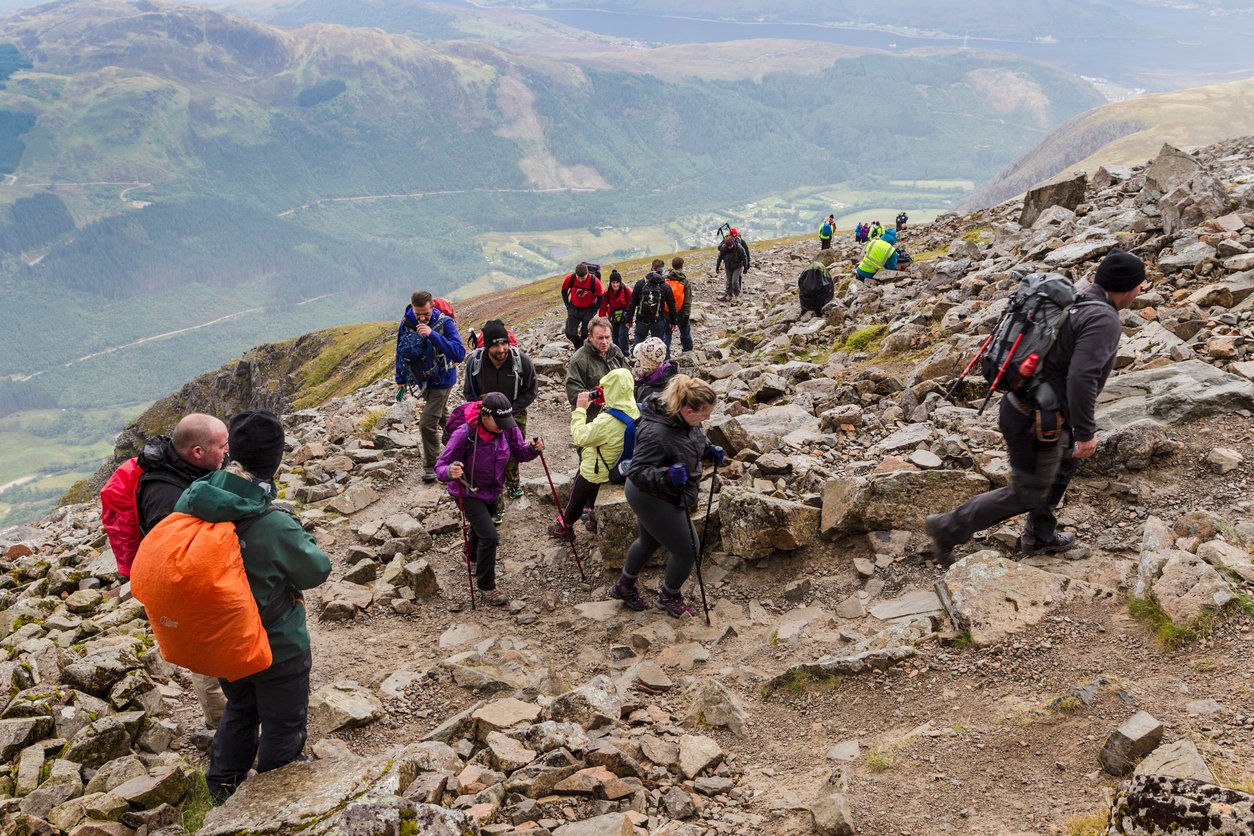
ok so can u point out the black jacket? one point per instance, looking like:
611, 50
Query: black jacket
492, 379
737, 255
1077, 366
661, 441
165, 476
668, 299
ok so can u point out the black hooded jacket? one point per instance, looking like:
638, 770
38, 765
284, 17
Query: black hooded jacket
165, 477
661, 441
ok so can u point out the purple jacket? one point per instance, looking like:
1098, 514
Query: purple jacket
484, 460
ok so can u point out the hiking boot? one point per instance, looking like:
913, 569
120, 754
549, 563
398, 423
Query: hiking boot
560, 531
493, 597
589, 520
1060, 542
498, 517
629, 595
428, 475
514, 490
674, 604
941, 553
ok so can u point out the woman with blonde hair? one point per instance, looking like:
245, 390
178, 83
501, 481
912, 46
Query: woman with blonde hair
662, 488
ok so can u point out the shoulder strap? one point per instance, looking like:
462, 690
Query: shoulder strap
284, 599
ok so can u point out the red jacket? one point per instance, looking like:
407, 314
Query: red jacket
585, 293
612, 303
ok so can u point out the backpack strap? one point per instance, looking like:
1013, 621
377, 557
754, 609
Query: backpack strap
288, 597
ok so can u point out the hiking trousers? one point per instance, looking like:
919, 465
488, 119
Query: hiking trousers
431, 422
1039, 475
684, 327
511, 469
621, 332
277, 701
825, 243
209, 694
484, 539
734, 275
659, 328
583, 494
577, 320
661, 524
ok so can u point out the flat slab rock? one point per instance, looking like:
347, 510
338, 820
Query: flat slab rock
1151, 805
991, 597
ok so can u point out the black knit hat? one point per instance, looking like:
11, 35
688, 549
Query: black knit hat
494, 331
1120, 271
256, 442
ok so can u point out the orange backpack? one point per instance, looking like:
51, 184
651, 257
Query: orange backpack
677, 288
189, 575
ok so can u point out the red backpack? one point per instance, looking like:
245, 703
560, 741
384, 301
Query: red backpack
479, 338
119, 513
444, 306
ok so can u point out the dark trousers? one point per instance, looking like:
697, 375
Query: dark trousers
825, 243
622, 334
684, 326
1039, 475
583, 494
511, 469
277, 701
659, 328
483, 538
577, 324
661, 525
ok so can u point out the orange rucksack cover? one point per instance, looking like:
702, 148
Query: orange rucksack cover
120, 516
677, 288
189, 575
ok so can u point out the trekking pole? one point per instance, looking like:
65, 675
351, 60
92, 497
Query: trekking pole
705, 530
954, 388
993, 386
574, 550
470, 577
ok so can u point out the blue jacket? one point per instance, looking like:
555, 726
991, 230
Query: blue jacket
435, 367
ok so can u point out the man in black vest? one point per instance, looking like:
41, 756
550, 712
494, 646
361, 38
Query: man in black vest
501, 367
1075, 370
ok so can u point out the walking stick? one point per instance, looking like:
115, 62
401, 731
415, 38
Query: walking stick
558, 504
705, 530
470, 576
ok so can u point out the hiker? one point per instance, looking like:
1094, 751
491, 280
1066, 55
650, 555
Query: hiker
602, 442
653, 370
197, 448
581, 294
825, 232
614, 305
597, 358
662, 488
681, 290
652, 305
879, 254
901, 221
501, 367
734, 253
473, 465
864, 232
279, 557
1075, 372
428, 349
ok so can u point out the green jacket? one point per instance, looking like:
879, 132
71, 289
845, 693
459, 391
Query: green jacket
587, 368
685, 310
277, 551
602, 437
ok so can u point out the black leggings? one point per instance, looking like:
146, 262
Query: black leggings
483, 540
661, 524
583, 494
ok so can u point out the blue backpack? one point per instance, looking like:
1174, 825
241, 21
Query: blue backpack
618, 470
421, 359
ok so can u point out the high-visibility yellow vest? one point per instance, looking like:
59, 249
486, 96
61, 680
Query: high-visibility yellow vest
875, 256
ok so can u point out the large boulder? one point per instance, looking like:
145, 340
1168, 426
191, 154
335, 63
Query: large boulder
761, 430
890, 501
1151, 805
1173, 394
990, 597
1184, 585
755, 526
1065, 190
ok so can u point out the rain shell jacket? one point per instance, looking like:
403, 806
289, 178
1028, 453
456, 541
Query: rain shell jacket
278, 554
614, 305
484, 456
587, 367
441, 352
661, 441
602, 437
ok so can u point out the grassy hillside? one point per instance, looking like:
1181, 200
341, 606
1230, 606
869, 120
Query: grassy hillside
1128, 133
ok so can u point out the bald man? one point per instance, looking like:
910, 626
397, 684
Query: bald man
197, 448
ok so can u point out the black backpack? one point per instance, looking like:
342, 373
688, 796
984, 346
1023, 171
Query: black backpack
650, 307
1027, 331
815, 287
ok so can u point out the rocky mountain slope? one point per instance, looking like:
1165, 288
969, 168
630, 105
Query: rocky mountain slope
845, 683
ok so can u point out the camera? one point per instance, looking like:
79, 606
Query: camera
597, 395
